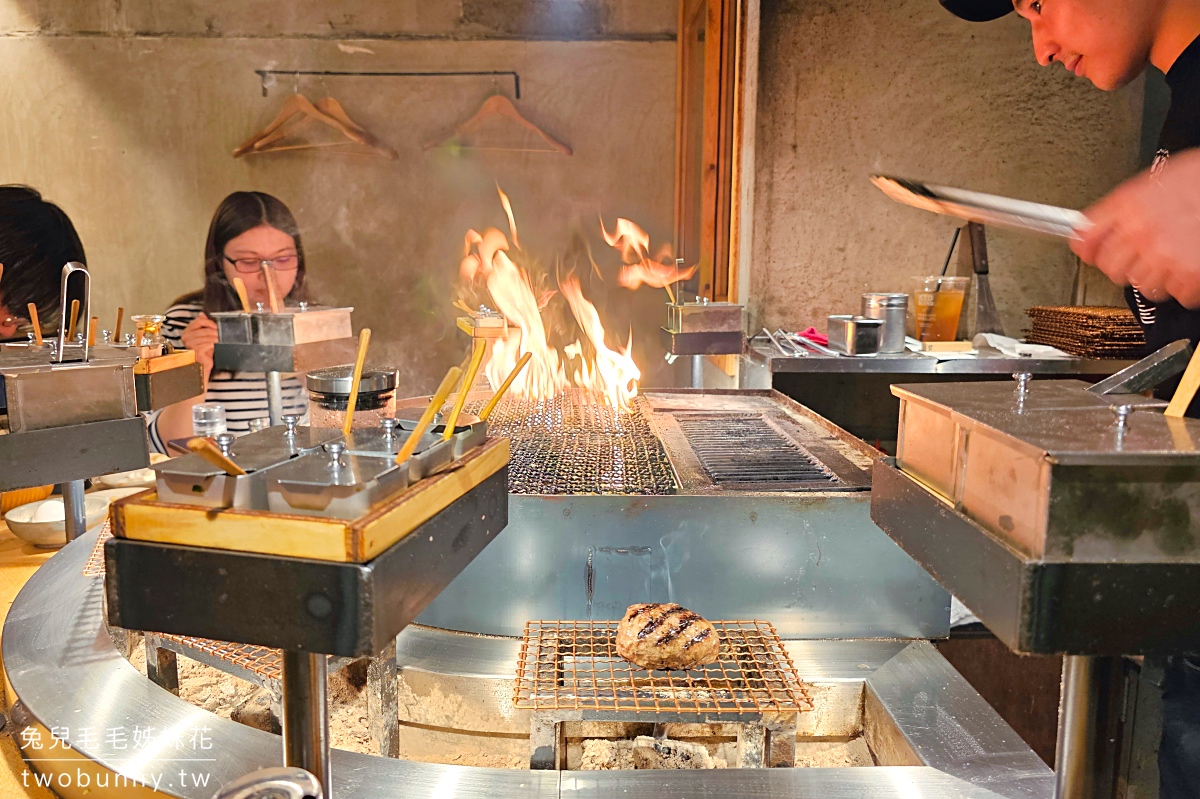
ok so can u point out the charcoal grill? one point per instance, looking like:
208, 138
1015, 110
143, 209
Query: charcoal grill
690, 496
570, 671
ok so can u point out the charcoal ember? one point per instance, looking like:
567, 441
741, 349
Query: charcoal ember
666, 636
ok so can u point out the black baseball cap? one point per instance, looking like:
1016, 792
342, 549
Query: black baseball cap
978, 10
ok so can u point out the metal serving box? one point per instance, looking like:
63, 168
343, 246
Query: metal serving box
855, 335
704, 317
295, 339
191, 480
1055, 470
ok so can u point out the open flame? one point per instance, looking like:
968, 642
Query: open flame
494, 260
634, 244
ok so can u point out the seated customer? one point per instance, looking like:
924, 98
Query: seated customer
249, 229
36, 241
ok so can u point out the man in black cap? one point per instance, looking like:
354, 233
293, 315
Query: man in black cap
1144, 231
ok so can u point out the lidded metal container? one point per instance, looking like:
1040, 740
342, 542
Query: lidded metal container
893, 310
334, 483
329, 393
191, 480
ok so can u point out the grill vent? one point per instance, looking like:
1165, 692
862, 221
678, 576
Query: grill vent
737, 450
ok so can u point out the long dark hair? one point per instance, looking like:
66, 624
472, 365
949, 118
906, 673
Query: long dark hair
237, 213
36, 240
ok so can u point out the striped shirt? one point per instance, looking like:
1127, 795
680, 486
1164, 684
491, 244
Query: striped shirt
243, 394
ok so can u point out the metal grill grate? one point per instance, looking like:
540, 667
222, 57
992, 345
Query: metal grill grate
261, 661
574, 665
738, 449
574, 444
95, 563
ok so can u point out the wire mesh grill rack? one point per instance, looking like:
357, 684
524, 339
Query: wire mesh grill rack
574, 665
261, 661
95, 562
575, 444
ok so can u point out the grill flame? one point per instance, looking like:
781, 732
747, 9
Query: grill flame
495, 260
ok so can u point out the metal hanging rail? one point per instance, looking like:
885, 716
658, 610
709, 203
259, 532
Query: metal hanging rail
263, 74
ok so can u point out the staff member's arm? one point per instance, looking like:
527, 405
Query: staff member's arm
1147, 232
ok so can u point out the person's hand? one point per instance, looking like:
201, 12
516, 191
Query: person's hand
1146, 233
200, 336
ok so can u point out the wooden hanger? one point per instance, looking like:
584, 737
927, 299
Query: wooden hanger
499, 105
298, 113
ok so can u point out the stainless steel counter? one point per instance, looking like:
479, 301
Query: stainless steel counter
855, 393
67, 674
763, 356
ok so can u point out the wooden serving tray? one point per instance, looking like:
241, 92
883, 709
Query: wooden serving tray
142, 517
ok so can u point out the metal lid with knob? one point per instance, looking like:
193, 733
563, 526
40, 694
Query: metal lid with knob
337, 379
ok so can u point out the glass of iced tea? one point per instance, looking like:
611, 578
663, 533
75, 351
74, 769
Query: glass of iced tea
937, 304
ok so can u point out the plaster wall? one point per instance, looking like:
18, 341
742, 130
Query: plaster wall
856, 87
126, 114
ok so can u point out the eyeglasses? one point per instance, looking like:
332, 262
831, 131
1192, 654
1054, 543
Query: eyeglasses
248, 266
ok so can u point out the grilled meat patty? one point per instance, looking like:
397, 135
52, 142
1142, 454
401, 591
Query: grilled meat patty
666, 636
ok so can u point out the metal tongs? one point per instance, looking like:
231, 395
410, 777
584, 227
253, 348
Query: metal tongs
987, 209
86, 311
793, 345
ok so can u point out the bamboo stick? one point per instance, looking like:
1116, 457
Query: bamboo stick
468, 380
364, 339
500, 392
439, 397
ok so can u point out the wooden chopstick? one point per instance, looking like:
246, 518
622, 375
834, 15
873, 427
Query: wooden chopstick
239, 286
1186, 391
272, 292
120, 319
439, 397
468, 380
208, 450
364, 338
508, 381
74, 318
92, 326
37, 325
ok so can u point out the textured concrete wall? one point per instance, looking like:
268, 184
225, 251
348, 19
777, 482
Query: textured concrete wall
132, 134
394, 19
853, 87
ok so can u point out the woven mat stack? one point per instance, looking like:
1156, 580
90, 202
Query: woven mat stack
1087, 331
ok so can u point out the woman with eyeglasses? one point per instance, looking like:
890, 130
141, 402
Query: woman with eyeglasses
249, 229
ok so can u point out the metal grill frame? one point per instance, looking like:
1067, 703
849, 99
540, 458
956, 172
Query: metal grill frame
722, 441
597, 677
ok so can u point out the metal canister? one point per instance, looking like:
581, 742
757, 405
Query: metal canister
893, 310
329, 393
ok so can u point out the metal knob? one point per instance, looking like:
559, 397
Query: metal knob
1123, 413
224, 443
106, 336
1023, 379
303, 306
389, 425
290, 421
260, 307
335, 450
273, 783
130, 339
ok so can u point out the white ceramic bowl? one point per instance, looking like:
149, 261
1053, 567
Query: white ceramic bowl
51, 534
137, 478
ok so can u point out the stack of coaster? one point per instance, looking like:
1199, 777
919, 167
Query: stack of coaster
1087, 331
